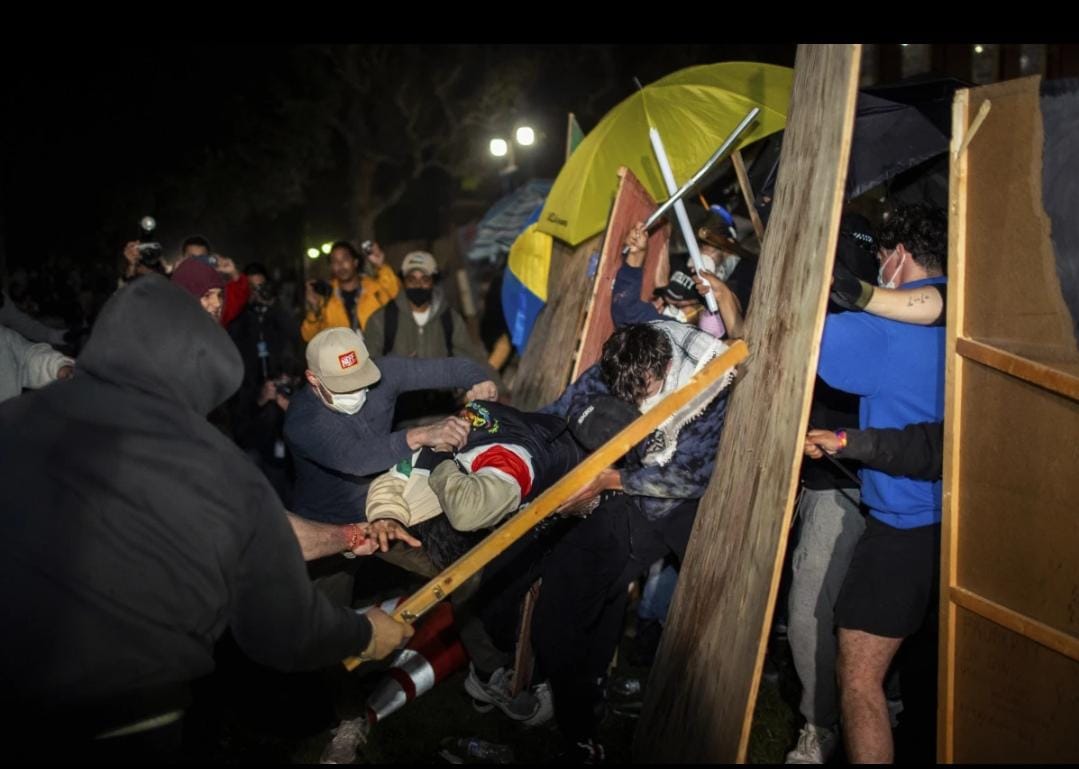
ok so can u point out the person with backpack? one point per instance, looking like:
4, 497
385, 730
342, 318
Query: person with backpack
420, 323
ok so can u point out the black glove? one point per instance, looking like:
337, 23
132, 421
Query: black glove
848, 291
429, 459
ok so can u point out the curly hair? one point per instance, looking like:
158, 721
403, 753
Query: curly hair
353, 252
631, 353
923, 230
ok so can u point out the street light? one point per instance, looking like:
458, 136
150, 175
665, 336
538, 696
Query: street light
326, 247
312, 253
524, 135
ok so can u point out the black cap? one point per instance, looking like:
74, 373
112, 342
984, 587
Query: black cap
680, 287
601, 419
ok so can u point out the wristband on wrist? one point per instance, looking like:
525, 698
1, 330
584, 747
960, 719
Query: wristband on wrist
842, 435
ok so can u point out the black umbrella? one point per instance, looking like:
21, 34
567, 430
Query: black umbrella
889, 138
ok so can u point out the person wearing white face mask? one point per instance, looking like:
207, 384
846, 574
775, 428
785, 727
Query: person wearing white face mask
339, 428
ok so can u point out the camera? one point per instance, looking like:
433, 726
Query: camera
150, 252
286, 386
322, 288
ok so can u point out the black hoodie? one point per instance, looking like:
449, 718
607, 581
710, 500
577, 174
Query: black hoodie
133, 533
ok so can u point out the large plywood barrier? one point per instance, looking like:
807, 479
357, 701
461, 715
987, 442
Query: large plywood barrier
632, 204
1009, 646
702, 689
545, 367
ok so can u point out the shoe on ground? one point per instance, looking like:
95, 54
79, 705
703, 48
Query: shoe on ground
586, 752
542, 694
496, 692
816, 745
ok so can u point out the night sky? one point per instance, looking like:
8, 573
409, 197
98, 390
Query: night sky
230, 141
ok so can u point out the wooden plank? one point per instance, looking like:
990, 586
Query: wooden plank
1028, 627
1062, 379
413, 607
747, 193
702, 688
545, 366
1016, 700
953, 386
632, 204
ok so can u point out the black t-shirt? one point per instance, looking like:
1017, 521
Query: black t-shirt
349, 298
740, 281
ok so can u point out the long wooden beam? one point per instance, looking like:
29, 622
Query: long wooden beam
546, 503
703, 686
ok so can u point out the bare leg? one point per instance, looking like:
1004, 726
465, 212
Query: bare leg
863, 662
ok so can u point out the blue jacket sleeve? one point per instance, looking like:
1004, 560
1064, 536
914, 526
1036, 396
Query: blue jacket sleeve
627, 307
854, 349
574, 397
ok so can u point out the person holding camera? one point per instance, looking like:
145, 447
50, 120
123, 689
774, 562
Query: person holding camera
269, 343
352, 296
420, 323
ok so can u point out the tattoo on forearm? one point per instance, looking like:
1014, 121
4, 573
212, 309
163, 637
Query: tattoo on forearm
917, 299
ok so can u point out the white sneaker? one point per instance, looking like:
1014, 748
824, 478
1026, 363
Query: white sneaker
815, 746
542, 693
496, 692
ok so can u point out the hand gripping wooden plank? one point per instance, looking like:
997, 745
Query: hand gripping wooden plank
700, 387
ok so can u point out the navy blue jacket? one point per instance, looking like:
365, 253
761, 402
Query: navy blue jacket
338, 455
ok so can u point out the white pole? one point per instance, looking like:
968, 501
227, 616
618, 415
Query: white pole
680, 212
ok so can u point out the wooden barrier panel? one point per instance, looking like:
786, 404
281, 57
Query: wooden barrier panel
1009, 645
632, 204
544, 369
703, 686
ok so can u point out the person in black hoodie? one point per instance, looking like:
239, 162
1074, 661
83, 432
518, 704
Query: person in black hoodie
134, 534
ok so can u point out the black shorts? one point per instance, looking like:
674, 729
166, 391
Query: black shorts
892, 583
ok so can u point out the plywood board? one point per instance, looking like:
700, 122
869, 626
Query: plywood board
1009, 647
632, 204
703, 686
544, 369
1016, 701
1014, 274
1018, 521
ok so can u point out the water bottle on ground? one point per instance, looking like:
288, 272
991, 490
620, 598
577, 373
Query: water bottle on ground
475, 750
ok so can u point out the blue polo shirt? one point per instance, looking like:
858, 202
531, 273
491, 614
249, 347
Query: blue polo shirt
898, 370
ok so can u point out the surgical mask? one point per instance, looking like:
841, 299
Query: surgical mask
650, 402
674, 313
418, 296
880, 272
348, 403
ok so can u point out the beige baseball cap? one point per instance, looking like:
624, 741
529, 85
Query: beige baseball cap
419, 260
339, 358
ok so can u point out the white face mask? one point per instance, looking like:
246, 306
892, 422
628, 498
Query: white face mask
675, 313
349, 403
880, 272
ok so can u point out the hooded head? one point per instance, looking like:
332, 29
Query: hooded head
151, 336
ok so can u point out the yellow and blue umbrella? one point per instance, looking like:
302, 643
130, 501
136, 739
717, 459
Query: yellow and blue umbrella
693, 109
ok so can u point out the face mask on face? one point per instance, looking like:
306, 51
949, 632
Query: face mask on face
349, 403
674, 313
880, 272
418, 296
